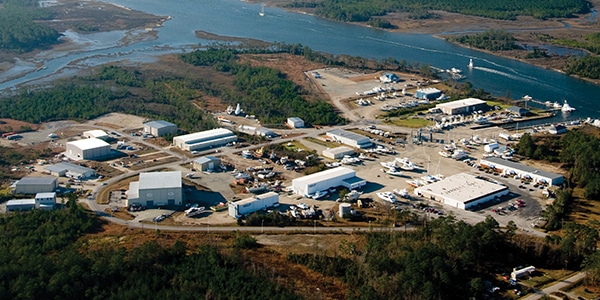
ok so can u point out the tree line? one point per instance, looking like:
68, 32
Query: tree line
19, 31
363, 10
445, 259
491, 40
43, 256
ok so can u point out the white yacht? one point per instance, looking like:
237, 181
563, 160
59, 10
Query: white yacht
401, 193
387, 196
566, 107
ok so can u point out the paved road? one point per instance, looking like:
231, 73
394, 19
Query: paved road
556, 287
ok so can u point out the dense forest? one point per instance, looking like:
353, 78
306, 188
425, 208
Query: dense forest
84, 98
446, 259
577, 150
18, 30
270, 96
56, 255
42, 256
363, 10
491, 40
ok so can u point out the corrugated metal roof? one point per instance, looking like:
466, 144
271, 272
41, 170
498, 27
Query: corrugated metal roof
204, 135
36, 180
65, 166
45, 195
95, 133
339, 150
461, 103
498, 162
159, 124
462, 187
86, 144
158, 180
359, 138
257, 197
324, 175
205, 159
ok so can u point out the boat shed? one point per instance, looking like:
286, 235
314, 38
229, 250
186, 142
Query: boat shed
34, 185
324, 180
20, 204
156, 189
205, 139
428, 94
295, 122
349, 138
89, 149
96, 134
462, 107
253, 204
70, 170
338, 152
462, 190
159, 128
206, 163
520, 170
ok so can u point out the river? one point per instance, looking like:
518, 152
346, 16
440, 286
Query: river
497, 75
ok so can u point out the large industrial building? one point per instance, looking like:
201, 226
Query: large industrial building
253, 204
207, 163
522, 171
462, 190
159, 128
70, 170
349, 138
205, 139
89, 149
156, 189
428, 93
462, 107
34, 185
338, 152
96, 134
322, 181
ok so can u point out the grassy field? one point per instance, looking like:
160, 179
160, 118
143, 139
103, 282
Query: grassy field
409, 123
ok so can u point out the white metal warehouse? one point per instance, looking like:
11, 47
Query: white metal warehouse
522, 171
205, 139
462, 107
96, 134
88, 149
349, 138
70, 170
156, 189
159, 128
321, 181
207, 163
295, 122
253, 204
338, 152
34, 185
462, 190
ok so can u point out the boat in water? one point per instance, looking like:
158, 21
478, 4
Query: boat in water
262, 11
566, 107
387, 196
470, 63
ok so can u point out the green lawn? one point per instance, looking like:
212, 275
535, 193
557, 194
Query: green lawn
410, 122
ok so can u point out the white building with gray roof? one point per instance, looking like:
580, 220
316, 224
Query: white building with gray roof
349, 138
70, 170
462, 190
34, 185
205, 139
159, 128
520, 170
156, 189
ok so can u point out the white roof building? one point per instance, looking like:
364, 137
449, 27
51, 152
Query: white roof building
295, 122
96, 133
522, 171
349, 138
253, 204
338, 152
160, 128
156, 189
462, 190
462, 107
89, 149
70, 170
205, 139
340, 176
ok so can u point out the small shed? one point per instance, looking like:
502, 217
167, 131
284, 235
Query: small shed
207, 163
338, 152
295, 122
97, 133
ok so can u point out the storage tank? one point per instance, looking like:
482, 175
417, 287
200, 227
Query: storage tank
345, 209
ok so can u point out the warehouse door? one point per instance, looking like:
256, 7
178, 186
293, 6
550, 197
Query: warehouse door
171, 201
149, 203
211, 165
